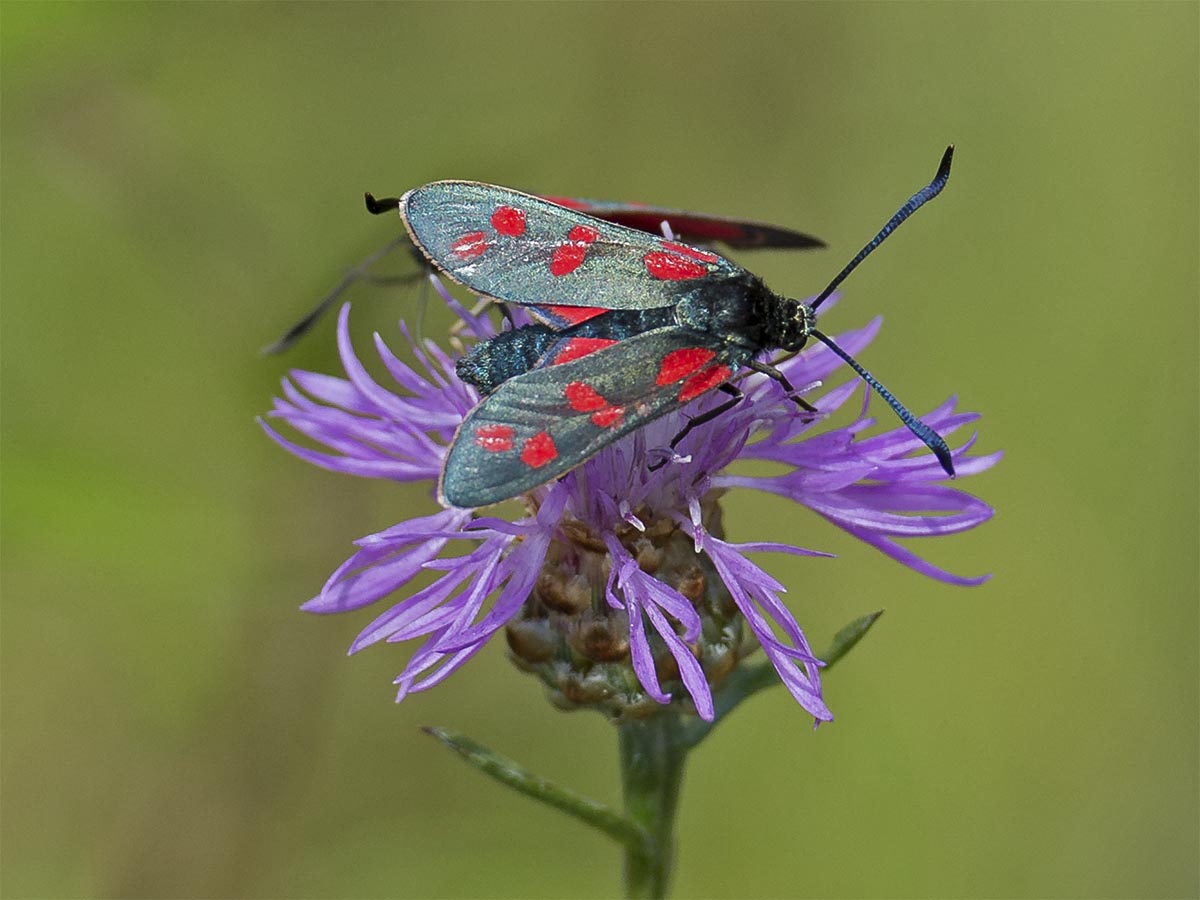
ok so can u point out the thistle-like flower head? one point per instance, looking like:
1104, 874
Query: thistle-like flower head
616, 586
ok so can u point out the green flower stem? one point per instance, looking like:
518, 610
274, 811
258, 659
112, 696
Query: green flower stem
653, 753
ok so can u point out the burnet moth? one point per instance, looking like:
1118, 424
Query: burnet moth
737, 234
629, 326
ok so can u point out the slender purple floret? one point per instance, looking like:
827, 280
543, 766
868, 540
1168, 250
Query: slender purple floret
655, 534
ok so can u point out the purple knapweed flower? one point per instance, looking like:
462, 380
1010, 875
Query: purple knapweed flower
616, 586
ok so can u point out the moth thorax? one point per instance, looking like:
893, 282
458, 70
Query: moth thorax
794, 323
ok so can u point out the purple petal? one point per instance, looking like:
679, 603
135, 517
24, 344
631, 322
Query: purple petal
640, 655
690, 670
911, 560
401, 617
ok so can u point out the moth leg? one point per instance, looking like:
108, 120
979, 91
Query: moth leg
735, 397
358, 273
771, 372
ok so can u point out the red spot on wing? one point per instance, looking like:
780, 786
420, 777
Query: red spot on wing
672, 266
585, 398
572, 315
470, 245
509, 220
538, 450
577, 348
702, 255
679, 364
494, 438
569, 256
609, 416
703, 381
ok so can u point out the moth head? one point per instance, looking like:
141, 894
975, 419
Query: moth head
797, 320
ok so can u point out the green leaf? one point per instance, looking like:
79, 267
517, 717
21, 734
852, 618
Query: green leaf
509, 773
844, 640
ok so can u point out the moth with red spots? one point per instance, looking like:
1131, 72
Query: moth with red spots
738, 234
629, 326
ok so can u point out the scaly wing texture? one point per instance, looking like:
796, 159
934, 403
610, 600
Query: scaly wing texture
542, 424
522, 249
739, 234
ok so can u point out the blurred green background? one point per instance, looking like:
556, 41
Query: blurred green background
180, 183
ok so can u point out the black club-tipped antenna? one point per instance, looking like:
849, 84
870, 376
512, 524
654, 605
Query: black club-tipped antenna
928, 436
378, 207
915, 202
